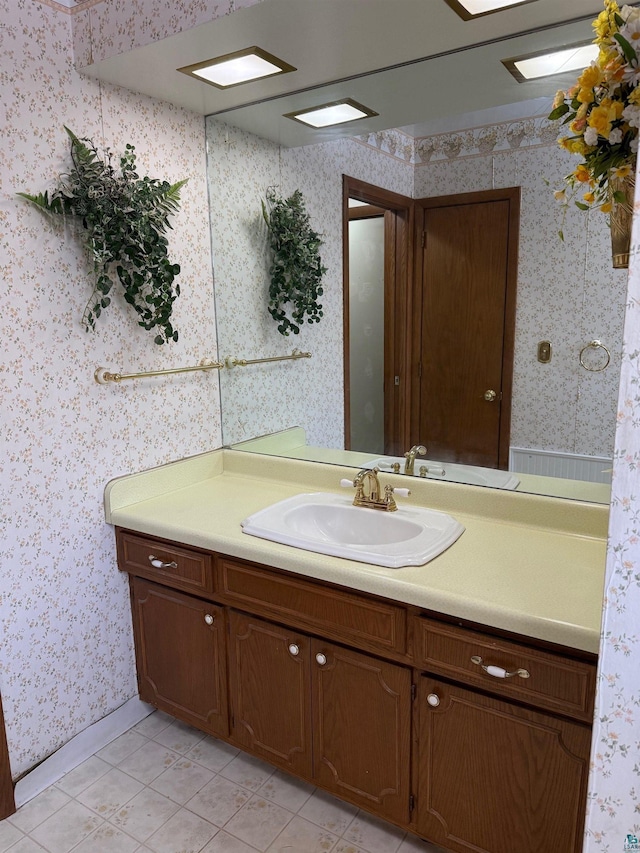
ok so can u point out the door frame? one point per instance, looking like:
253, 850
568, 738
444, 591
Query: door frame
512, 195
399, 231
7, 799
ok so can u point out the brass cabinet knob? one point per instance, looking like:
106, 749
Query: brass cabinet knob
433, 699
208, 619
490, 395
321, 659
294, 649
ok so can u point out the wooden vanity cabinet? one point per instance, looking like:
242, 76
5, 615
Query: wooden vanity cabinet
180, 655
335, 716
474, 741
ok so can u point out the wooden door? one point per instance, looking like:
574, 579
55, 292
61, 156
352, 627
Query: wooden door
466, 268
361, 734
498, 778
180, 653
270, 692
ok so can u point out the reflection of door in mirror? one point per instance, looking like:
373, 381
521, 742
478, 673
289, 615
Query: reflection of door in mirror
377, 230
464, 303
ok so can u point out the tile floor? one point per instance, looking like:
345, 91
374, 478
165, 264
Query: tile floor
164, 787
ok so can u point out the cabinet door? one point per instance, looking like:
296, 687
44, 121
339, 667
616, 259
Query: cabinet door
361, 734
270, 691
180, 654
498, 778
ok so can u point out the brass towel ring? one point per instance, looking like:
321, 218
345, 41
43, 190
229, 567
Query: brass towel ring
595, 345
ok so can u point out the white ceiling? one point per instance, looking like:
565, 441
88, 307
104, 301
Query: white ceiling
415, 62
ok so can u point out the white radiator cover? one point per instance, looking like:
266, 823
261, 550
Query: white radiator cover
569, 466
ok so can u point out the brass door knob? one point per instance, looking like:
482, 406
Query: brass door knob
490, 395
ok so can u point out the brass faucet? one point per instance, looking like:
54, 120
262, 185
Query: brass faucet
373, 497
410, 457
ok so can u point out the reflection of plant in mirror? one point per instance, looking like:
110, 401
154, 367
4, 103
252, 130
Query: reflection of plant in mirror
296, 269
124, 218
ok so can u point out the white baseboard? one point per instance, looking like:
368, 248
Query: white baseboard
79, 748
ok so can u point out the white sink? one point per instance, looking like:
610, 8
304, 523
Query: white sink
330, 524
471, 475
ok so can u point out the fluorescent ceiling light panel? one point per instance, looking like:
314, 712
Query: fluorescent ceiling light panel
469, 9
327, 115
532, 67
242, 66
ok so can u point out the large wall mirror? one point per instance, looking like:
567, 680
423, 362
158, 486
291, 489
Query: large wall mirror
563, 411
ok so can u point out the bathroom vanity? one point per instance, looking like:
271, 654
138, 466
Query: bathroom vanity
452, 699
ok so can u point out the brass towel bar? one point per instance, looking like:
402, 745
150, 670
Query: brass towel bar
243, 362
104, 376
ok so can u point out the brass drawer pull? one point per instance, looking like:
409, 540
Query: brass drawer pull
158, 564
498, 671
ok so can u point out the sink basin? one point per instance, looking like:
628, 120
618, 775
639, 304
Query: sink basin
470, 475
330, 524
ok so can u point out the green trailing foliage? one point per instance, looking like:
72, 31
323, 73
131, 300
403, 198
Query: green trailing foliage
124, 218
296, 269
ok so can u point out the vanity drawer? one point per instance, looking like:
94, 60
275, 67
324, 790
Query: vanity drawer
554, 682
176, 565
336, 613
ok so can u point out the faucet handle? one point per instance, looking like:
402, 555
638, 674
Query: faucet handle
346, 484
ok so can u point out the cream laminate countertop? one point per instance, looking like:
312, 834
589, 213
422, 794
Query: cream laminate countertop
525, 563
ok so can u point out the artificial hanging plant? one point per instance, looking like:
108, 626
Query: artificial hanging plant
124, 218
602, 112
296, 269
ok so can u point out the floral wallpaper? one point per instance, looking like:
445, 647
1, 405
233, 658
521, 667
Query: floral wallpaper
66, 657
614, 791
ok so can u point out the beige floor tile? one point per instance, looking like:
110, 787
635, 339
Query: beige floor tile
148, 762
37, 810
347, 847
179, 737
110, 792
259, 822
212, 754
121, 747
182, 780
153, 724
27, 845
107, 839
304, 837
219, 800
328, 812
286, 791
185, 832
144, 814
9, 834
374, 835
225, 843
66, 828
85, 774
247, 771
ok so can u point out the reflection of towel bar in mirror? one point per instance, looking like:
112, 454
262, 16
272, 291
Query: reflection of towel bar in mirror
595, 345
243, 362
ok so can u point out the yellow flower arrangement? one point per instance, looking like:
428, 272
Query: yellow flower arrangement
602, 111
